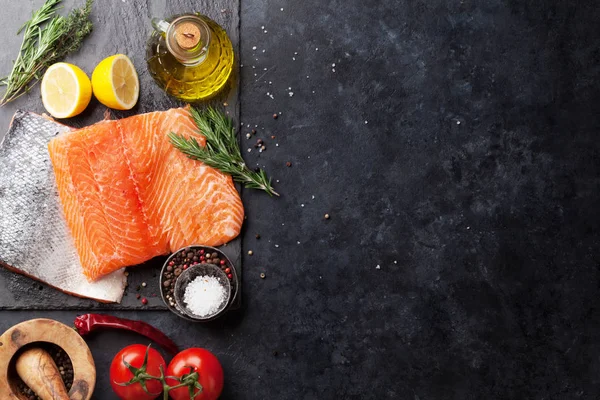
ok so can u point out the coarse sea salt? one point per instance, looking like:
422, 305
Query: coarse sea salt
204, 295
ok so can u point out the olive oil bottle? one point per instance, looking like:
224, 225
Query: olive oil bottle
190, 56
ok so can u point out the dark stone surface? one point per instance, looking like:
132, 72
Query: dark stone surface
485, 231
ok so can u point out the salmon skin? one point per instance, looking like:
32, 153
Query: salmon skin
128, 195
34, 237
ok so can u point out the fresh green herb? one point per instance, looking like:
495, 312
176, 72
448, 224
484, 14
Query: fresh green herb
222, 150
47, 37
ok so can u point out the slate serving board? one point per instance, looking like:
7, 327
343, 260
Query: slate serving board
122, 28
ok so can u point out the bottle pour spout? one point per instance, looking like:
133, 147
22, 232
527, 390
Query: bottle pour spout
160, 25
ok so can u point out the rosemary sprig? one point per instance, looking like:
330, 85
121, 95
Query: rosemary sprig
47, 37
222, 150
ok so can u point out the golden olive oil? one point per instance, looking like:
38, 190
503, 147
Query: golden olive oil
190, 56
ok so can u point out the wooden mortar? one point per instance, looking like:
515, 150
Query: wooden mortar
49, 331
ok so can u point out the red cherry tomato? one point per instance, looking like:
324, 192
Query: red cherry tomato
119, 373
205, 364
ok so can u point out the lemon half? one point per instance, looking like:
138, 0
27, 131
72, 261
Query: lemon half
66, 90
115, 82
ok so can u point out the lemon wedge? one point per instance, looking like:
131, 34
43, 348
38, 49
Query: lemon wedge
66, 90
115, 82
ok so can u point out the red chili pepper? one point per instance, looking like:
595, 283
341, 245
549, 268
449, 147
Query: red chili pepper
87, 323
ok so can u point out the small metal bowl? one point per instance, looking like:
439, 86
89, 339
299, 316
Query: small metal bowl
194, 272
175, 308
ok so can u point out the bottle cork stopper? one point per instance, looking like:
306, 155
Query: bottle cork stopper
187, 35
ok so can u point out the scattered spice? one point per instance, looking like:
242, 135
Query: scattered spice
144, 301
257, 236
144, 284
262, 275
288, 164
250, 252
326, 216
275, 116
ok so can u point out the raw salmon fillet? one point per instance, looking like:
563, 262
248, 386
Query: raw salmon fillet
32, 217
128, 195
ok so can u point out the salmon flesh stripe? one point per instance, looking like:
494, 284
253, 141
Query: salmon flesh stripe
128, 195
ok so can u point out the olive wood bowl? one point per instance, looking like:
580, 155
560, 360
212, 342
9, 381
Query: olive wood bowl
59, 334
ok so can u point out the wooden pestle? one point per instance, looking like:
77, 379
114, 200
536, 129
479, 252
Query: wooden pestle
38, 370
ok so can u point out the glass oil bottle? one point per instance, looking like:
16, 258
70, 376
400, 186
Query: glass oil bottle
190, 56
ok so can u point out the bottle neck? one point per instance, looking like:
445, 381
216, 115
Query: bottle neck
188, 38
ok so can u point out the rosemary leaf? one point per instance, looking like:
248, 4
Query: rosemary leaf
222, 150
47, 37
